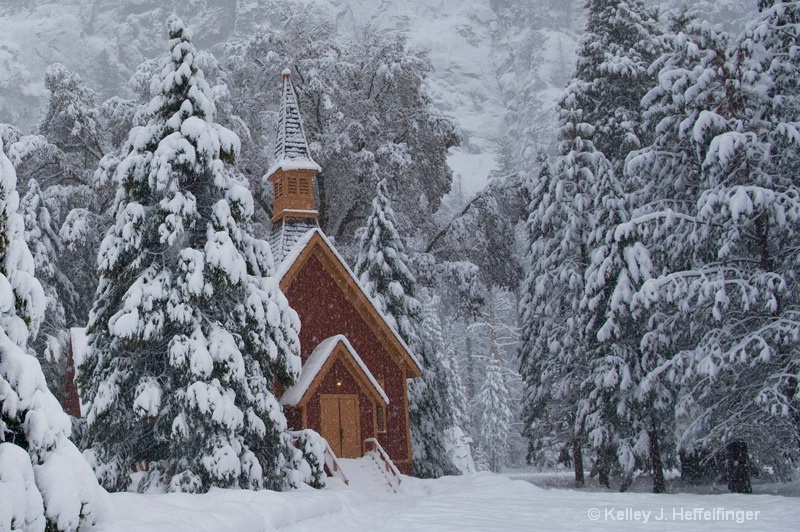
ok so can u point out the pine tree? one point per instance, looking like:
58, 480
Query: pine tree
491, 408
383, 271
45, 480
601, 123
776, 31
662, 232
751, 215
452, 389
188, 333
45, 247
554, 344
621, 40
493, 415
724, 306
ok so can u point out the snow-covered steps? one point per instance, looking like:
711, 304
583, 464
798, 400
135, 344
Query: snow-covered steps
369, 473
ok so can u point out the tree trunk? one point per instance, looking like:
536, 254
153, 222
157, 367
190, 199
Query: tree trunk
738, 468
603, 473
659, 484
471, 391
577, 460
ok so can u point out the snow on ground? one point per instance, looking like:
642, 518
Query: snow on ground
482, 502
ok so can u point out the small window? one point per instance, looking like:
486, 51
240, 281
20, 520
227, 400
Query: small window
380, 418
380, 411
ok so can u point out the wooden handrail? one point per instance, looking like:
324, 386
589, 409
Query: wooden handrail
389, 465
331, 462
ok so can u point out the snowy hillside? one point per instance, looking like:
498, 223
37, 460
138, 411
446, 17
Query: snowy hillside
500, 66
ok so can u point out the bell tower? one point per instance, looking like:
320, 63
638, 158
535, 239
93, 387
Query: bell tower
291, 174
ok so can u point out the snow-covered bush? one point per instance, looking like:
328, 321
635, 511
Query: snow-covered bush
308, 460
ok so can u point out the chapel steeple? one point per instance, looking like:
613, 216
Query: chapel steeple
291, 174
293, 170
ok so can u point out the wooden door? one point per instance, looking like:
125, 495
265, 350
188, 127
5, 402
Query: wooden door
348, 416
329, 418
340, 424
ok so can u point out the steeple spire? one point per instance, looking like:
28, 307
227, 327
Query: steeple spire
291, 147
291, 174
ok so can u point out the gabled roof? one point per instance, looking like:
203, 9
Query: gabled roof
291, 147
315, 242
318, 363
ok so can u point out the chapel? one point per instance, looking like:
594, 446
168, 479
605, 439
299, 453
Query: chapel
352, 385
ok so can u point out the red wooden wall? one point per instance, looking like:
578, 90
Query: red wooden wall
324, 312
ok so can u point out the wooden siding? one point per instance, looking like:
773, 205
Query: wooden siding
325, 311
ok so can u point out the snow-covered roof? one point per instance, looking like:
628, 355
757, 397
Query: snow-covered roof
294, 253
291, 146
316, 361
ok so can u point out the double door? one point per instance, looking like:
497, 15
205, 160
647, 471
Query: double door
340, 426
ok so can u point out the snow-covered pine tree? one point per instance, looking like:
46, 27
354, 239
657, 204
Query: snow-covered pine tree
535, 357
188, 333
751, 209
600, 122
662, 232
45, 482
554, 344
431, 336
383, 272
493, 415
621, 40
452, 392
620, 413
620, 419
776, 32
607, 408
49, 345
491, 408
382, 269
732, 289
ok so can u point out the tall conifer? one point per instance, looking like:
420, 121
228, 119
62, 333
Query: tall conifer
44, 479
382, 267
188, 332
